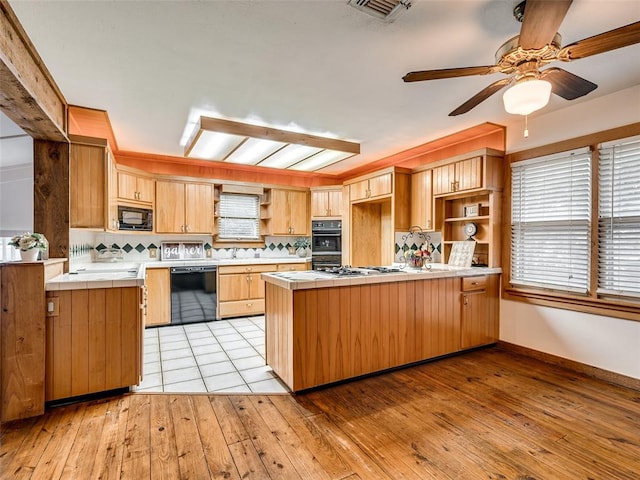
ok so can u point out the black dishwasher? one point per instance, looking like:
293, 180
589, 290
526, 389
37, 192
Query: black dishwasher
193, 294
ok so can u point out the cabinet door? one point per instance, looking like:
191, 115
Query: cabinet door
233, 286
320, 204
256, 286
169, 207
112, 182
87, 171
198, 208
444, 179
421, 200
358, 190
380, 185
299, 220
94, 343
469, 174
158, 282
127, 186
279, 222
475, 327
335, 202
145, 188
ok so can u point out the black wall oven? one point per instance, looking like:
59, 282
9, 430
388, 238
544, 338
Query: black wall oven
326, 244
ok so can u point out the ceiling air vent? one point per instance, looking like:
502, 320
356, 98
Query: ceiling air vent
387, 10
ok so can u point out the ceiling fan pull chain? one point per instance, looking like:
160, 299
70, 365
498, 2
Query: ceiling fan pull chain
526, 126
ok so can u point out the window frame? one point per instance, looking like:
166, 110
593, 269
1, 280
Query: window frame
590, 302
240, 240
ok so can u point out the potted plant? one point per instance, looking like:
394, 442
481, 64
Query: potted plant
301, 244
29, 244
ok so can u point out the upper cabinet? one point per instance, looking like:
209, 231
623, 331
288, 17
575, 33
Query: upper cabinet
474, 210
289, 212
136, 188
87, 171
480, 170
326, 202
372, 187
378, 208
183, 207
422, 200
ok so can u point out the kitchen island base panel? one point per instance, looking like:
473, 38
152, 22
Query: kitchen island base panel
325, 335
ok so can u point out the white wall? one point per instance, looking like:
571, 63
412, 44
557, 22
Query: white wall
16, 200
609, 343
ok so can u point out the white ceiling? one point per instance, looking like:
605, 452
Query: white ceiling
318, 65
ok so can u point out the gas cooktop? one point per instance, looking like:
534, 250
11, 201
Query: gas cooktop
348, 271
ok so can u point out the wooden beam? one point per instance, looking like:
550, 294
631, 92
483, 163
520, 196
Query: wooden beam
28, 94
268, 133
51, 195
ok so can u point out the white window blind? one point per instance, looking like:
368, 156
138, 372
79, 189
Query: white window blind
619, 218
550, 221
239, 216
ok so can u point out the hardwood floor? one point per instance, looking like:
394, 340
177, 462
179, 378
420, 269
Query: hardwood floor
487, 414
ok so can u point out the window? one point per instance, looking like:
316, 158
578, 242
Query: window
551, 221
239, 217
619, 218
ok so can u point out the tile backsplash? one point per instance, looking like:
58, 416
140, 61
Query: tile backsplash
412, 241
85, 245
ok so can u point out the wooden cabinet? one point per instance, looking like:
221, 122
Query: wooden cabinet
241, 288
184, 207
458, 176
94, 341
478, 170
372, 187
374, 219
136, 188
422, 200
488, 220
289, 212
23, 337
158, 283
87, 185
326, 203
479, 299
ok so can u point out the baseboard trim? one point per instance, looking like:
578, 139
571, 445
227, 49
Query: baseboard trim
599, 373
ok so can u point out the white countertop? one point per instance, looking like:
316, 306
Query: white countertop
128, 274
315, 279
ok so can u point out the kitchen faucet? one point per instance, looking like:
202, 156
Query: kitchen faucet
234, 252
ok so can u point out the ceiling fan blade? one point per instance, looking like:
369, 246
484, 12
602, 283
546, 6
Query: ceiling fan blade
611, 40
480, 96
448, 73
566, 84
542, 19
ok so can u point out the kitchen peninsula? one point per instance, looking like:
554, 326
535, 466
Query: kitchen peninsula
322, 329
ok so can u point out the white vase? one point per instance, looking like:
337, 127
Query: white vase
302, 252
30, 255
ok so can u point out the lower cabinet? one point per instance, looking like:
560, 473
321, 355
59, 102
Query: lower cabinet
94, 341
317, 336
241, 289
158, 282
479, 319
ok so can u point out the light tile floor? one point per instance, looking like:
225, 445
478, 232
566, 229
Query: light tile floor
225, 356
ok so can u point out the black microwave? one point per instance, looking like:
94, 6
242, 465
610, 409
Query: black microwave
132, 218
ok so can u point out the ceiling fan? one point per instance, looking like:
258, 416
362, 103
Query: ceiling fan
537, 45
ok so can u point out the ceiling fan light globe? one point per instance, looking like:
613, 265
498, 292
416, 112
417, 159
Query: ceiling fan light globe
526, 96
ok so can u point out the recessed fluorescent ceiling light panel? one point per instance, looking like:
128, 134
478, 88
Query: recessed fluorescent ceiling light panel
243, 143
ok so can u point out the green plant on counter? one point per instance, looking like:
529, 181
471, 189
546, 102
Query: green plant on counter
28, 241
302, 242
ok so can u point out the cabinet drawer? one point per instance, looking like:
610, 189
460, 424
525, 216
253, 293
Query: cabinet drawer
222, 269
470, 284
242, 307
291, 267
